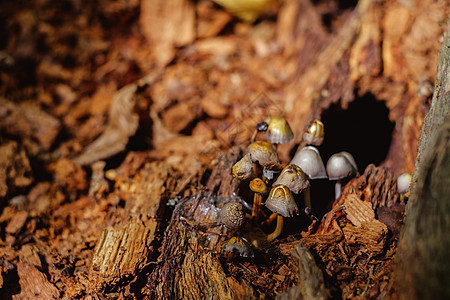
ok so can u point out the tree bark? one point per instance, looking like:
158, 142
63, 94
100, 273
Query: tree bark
423, 266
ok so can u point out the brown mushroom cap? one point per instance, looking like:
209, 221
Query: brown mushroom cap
309, 160
279, 131
258, 186
281, 201
315, 133
263, 152
243, 169
232, 215
341, 165
294, 178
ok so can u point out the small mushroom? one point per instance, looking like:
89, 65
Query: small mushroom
260, 127
259, 188
263, 153
403, 183
271, 169
293, 178
308, 212
341, 165
282, 203
237, 244
279, 131
244, 168
315, 133
309, 160
352, 161
232, 215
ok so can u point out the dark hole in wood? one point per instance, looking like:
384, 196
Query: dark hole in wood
363, 129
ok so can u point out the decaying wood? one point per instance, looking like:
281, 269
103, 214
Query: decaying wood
311, 282
370, 234
376, 186
15, 169
187, 267
81, 88
358, 211
423, 266
351, 233
191, 262
38, 128
124, 248
167, 25
34, 283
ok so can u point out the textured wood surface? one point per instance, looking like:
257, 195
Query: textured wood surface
423, 266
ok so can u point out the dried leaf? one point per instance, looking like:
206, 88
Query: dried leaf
122, 123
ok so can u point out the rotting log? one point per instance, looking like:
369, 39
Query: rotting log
381, 48
311, 282
423, 269
124, 248
192, 264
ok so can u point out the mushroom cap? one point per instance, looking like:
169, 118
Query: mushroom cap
279, 131
237, 244
271, 169
263, 152
309, 160
341, 165
293, 178
243, 169
315, 133
403, 182
232, 215
350, 158
258, 186
262, 126
281, 201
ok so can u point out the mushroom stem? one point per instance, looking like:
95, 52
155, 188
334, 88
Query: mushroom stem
337, 188
254, 136
404, 196
278, 229
245, 204
308, 198
256, 205
270, 219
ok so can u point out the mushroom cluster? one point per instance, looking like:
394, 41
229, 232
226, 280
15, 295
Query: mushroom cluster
274, 183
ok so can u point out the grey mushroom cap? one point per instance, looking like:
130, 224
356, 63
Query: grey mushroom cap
281, 201
309, 160
341, 165
350, 158
294, 178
